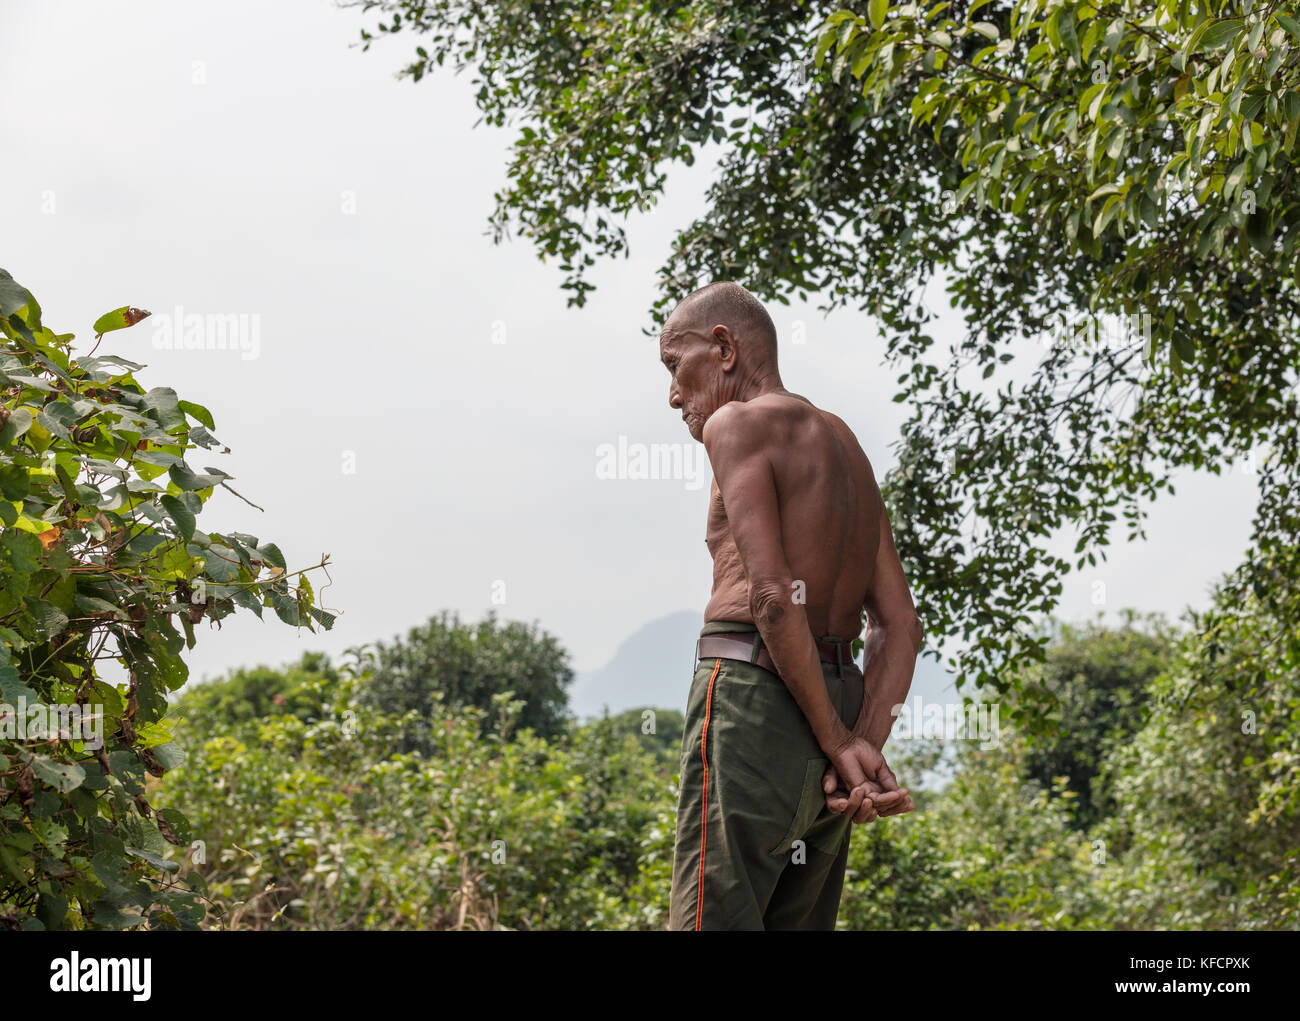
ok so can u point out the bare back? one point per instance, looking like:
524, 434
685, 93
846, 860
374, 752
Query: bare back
830, 509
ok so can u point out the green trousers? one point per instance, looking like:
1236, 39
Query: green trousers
756, 846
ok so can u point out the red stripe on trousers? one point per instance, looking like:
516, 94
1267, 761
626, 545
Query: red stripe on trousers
704, 812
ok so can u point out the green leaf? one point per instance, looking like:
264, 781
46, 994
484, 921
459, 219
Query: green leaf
106, 914
15, 482
286, 608
876, 12
189, 481
50, 620
1068, 36
1106, 189
93, 604
1090, 101
1220, 33
12, 688
58, 417
197, 411
94, 362
62, 776
322, 617
221, 562
51, 909
1190, 47
19, 421
119, 319
157, 861
248, 601
158, 458
162, 401
14, 297
180, 514
1150, 212
1258, 233
824, 42
169, 755
1289, 23
180, 825
272, 555
7, 859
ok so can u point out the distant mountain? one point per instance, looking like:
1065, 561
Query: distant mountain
653, 667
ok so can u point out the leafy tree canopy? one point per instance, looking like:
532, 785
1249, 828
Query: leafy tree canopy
1090, 695
467, 665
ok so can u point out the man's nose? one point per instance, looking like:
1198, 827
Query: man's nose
674, 398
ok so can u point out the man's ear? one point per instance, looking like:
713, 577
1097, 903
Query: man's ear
726, 342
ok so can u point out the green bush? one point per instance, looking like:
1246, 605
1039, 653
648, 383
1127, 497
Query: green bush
102, 560
320, 821
314, 815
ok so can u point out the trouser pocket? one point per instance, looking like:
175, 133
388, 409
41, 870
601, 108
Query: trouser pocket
811, 801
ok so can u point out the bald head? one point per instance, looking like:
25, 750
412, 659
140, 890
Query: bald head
719, 345
730, 305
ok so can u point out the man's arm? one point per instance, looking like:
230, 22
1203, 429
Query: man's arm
743, 469
894, 638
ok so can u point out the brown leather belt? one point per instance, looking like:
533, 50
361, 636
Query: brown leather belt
741, 646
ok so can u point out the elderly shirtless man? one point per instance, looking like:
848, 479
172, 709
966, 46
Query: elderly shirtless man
783, 736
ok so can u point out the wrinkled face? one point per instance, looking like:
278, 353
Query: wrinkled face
695, 360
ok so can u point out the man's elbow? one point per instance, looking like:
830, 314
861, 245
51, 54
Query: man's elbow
770, 601
903, 628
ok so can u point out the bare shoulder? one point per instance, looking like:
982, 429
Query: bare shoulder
783, 409
741, 424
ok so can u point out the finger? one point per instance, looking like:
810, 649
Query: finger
830, 780
838, 800
854, 802
885, 777
867, 813
851, 769
852, 774
901, 807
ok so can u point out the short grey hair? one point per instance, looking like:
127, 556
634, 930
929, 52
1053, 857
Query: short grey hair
729, 304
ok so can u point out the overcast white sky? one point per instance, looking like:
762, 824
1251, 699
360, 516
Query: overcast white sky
128, 181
